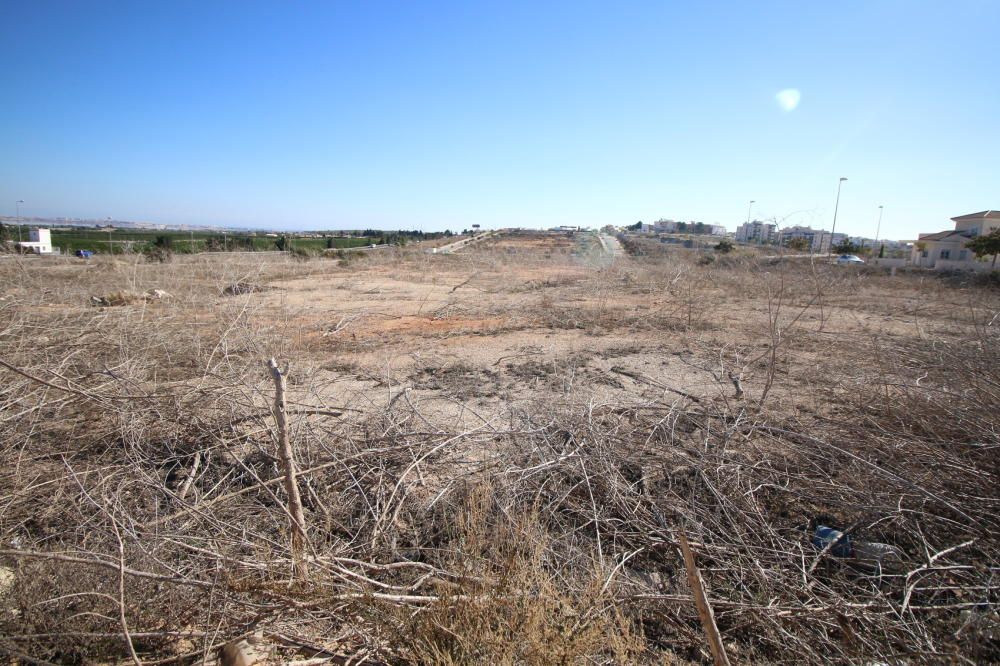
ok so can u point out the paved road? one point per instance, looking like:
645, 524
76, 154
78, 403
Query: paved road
611, 245
451, 248
798, 256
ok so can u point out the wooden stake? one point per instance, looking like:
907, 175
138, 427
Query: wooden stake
298, 520
697, 584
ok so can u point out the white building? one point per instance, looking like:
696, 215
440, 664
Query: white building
946, 250
39, 242
756, 232
673, 227
819, 240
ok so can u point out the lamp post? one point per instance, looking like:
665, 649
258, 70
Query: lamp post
878, 226
18, 204
836, 207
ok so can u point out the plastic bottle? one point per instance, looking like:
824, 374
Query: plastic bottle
824, 536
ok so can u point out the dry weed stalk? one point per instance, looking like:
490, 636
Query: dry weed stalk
142, 514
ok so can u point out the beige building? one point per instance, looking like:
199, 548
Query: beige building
756, 232
946, 250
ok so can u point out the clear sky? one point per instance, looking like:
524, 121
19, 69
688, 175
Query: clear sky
433, 115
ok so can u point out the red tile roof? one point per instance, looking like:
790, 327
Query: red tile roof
981, 215
943, 235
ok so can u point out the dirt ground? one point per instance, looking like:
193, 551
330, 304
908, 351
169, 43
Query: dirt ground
493, 441
535, 318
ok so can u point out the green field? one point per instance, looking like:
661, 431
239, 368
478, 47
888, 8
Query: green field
130, 241
120, 241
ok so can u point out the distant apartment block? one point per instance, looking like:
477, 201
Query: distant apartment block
675, 227
818, 240
946, 250
758, 232
875, 245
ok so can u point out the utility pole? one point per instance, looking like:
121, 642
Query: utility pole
18, 204
836, 207
878, 227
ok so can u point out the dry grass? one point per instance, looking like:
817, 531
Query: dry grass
497, 448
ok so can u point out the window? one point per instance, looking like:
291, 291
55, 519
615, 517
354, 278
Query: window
963, 255
924, 254
945, 254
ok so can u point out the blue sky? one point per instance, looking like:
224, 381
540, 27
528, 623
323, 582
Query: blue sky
441, 115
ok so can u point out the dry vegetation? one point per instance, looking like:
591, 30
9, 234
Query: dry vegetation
497, 450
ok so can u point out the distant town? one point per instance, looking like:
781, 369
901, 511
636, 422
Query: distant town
955, 248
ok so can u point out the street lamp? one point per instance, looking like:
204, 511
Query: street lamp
749, 208
18, 204
878, 226
836, 207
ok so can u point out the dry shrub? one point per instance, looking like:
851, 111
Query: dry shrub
516, 603
543, 533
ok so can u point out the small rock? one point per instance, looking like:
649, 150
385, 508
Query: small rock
249, 651
6, 580
238, 288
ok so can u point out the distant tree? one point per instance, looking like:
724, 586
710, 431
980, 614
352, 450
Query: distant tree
881, 251
699, 227
800, 244
986, 245
5, 234
329, 242
682, 227
281, 243
725, 246
846, 247
159, 250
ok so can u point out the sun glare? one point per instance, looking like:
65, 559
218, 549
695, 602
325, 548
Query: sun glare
788, 99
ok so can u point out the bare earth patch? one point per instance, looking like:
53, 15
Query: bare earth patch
498, 449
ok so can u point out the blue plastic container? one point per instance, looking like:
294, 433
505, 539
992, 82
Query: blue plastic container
824, 535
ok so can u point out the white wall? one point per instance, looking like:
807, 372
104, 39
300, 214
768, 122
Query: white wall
950, 265
982, 226
889, 263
